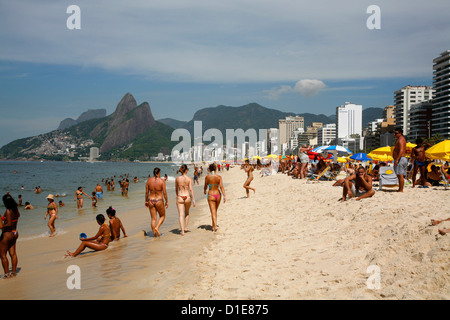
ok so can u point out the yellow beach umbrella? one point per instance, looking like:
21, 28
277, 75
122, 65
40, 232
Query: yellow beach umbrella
380, 157
440, 151
342, 160
382, 151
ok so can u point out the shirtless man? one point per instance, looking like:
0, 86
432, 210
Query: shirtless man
420, 162
400, 161
99, 191
361, 188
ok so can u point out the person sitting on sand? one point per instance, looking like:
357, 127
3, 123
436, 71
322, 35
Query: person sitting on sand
444, 171
115, 224
358, 185
99, 242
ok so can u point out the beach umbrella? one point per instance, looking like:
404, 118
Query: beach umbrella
380, 157
256, 157
440, 151
339, 149
360, 157
272, 156
319, 149
341, 159
382, 151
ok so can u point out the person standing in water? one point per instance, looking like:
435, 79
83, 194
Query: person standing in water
52, 211
214, 187
78, 197
155, 190
185, 197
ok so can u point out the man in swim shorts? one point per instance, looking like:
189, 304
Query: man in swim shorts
99, 191
420, 162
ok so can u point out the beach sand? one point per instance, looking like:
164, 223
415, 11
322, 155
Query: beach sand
291, 239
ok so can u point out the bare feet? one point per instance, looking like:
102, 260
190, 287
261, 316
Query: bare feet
443, 231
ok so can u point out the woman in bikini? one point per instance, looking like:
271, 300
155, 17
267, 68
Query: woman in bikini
214, 183
99, 242
155, 189
9, 235
78, 197
185, 197
249, 170
52, 211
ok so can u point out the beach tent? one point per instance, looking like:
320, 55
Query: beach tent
440, 151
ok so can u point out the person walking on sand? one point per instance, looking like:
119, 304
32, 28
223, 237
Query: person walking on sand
52, 211
78, 197
400, 161
9, 235
185, 197
155, 190
214, 183
249, 170
98, 242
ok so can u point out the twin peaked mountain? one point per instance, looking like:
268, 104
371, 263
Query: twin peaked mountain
132, 133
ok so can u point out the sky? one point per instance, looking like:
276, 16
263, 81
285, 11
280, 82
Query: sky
183, 55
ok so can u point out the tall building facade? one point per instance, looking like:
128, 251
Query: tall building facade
348, 120
441, 95
405, 98
288, 126
326, 134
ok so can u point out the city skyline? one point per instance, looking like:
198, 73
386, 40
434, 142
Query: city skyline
181, 56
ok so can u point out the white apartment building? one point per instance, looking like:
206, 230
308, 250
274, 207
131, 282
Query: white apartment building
348, 120
405, 98
441, 95
326, 134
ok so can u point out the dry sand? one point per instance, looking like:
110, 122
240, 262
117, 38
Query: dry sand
292, 239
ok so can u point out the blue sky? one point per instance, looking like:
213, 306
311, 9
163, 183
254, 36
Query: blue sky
183, 55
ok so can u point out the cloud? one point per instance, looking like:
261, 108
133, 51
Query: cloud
306, 87
309, 88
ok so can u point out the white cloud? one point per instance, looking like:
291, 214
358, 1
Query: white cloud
306, 87
309, 88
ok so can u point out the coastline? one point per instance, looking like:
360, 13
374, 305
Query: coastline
290, 240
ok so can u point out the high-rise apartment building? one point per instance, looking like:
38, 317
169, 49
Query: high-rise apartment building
441, 95
405, 98
326, 134
288, 126
348, 120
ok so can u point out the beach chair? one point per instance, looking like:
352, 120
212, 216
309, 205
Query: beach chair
316, 177
444, 181
388, 178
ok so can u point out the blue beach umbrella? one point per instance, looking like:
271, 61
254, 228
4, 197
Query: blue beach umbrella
339, 149
360, 157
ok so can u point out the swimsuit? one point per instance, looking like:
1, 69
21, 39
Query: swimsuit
154, 201
216, 196
183, 197
420, 163
4, 219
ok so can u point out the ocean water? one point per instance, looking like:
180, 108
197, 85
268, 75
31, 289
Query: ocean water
63, 178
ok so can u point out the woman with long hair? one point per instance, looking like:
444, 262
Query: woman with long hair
155, 190
185, 197
215, 189
9, 235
